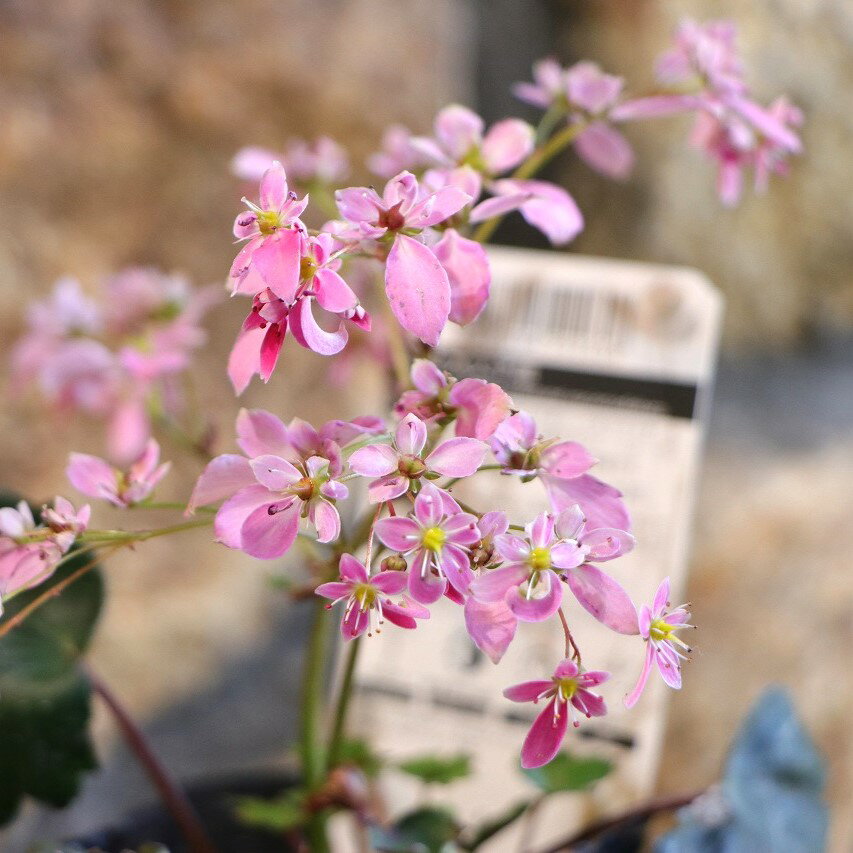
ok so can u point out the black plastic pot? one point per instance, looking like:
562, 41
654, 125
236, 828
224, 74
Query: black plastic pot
214, 803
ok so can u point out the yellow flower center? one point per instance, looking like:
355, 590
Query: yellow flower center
365, 594
567, 687
540, 559
660, 630
307, 268
269, 221
433, 538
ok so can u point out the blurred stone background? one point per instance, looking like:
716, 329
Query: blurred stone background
117, 122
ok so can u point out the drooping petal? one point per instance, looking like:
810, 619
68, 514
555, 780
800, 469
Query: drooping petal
333, 293
468, 271
481, 407
244, 360
567, 459
634, 695
277, 261
354, 623
491, 625
398, 534
310, 335
604, 598
550, 209
417, 288
601, 503
606, 150
375, 460
222, 477
270, 349
507, 143
268, 536
326, 519
668, 666
457, 457
545, 736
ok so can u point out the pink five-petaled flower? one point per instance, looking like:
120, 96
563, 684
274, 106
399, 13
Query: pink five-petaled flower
367, 602
436, 539
476, 406
663, 647
399, 464
271, 257
65, 522
459, 141
567, 691
562, 467
416, 284
98, 479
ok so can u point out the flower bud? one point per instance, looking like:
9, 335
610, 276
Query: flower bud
393, 563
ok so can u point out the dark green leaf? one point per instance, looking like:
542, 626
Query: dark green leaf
492, 827
359, 753
425, 830
279, 814
440, 771
568, 773
44, 700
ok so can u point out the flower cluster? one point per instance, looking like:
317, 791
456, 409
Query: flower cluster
290, 478
30, 552
119, 357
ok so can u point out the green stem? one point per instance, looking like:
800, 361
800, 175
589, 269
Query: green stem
342, 707
313, 761
539, 158
117, 536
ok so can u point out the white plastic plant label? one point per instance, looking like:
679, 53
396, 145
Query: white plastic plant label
619, 356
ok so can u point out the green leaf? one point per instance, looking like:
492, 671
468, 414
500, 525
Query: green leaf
284, 812
436, 770
359, 753
424, 830
492, 827
44, 699
568, 773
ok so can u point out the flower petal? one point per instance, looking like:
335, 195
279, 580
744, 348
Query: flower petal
468, 271
268, 536
542, 604
234, 512
601, 503
387, 488
494, 584
545, 736
375, 460
417, 288
424, 586
604, 598
457, 457
507, 143
222, 477
634, 695
310, 335
275, 473
326, 520
277, 262
398, 534
411, 435
491, 625
260, 432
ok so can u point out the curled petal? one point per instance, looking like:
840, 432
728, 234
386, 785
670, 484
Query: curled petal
468, 271
482, 406
411, 435
550, 209
326, 519
607, 543
601, 503
270, 349
309, 334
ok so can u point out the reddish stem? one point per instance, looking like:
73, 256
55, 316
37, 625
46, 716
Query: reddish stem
171, 793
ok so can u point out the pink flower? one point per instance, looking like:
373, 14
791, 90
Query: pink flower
435, 539
476, 406
321, 160
288, 472
270, 258
400, 464
416, 284
548, 87
657, 626
567, 691
29, 553
396, 153
259, 343
527, 582
98, 479
367, 601
459, 140
544, 205
746, 135
562, 467
704, 51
